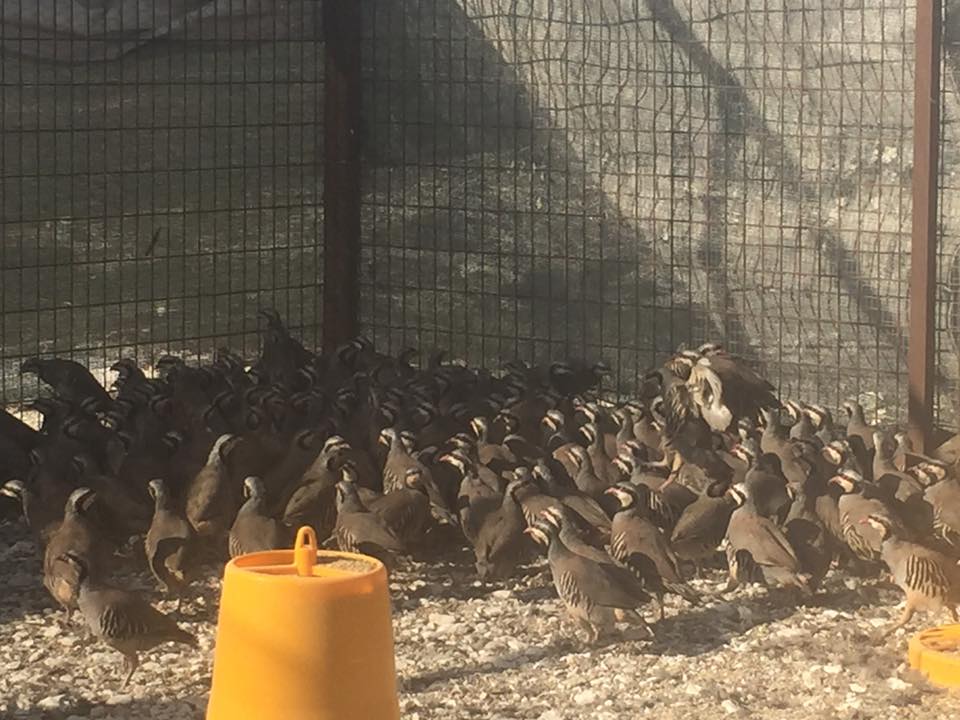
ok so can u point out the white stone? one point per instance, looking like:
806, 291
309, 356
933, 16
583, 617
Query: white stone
896, 683
51, 703
585, 697
729, 707
832, 669
441, 620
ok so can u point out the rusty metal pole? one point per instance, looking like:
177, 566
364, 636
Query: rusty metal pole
923, 246
341, 198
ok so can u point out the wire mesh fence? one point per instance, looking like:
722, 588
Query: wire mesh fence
947, 409
542, 179
160, 176
612, 179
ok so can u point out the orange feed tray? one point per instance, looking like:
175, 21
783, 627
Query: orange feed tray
936, 653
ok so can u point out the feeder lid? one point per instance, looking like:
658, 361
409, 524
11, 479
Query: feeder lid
936, 653
306, 560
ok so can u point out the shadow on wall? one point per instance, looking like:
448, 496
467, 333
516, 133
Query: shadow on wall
491, 227
485, 231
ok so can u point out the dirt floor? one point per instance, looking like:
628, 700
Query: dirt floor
469, 650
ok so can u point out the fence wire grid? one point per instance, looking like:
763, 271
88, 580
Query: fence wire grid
161, 166
614, 179
541, 179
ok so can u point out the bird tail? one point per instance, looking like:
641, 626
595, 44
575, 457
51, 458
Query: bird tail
684, 591
182, 636
802, 581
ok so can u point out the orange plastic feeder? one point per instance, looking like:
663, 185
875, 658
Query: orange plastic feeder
936, 653
304, 635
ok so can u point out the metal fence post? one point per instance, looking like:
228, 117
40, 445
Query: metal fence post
341, 200
923, 247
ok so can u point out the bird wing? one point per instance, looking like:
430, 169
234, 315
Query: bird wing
606, 585
707, 391
762, 539
367, 528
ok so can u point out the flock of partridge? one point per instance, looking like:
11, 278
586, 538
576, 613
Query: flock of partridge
624, 497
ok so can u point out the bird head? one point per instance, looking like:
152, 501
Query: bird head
541, 472
625, 493
388, 436
553, 420
577, 455
334, 445
835, 452
79, 501
541, 532
589, 432
624, 464
455, 459
879, 523
14, 488
413, 478
156, 488
252, 487
794, 409
479, 427
556, 515
348, 471
78, 563
221, 448
738, 493
601, 369
711, 348
847, 480
561, 368
30, 366
743, 453
346, 491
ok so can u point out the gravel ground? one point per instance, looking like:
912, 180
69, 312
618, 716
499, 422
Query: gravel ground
469, 650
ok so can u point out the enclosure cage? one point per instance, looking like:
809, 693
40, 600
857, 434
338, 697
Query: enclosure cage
504, 179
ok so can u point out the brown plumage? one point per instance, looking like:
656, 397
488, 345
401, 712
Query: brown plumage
757, 549
601, 463
122, 619
595, 594
639, 544
253, 530
854, 507
944, 498
586, 478
212, 499
745, 392
398, 461
702, 525
169, 543
77, 536
930, 579
43, 518
860, 438
499, 543
359, 530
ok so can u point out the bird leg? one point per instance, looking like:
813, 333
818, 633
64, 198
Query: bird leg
953, 613
636, 619
908, 611
130, 663
593, 632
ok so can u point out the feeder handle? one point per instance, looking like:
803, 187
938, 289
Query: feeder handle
305, 551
